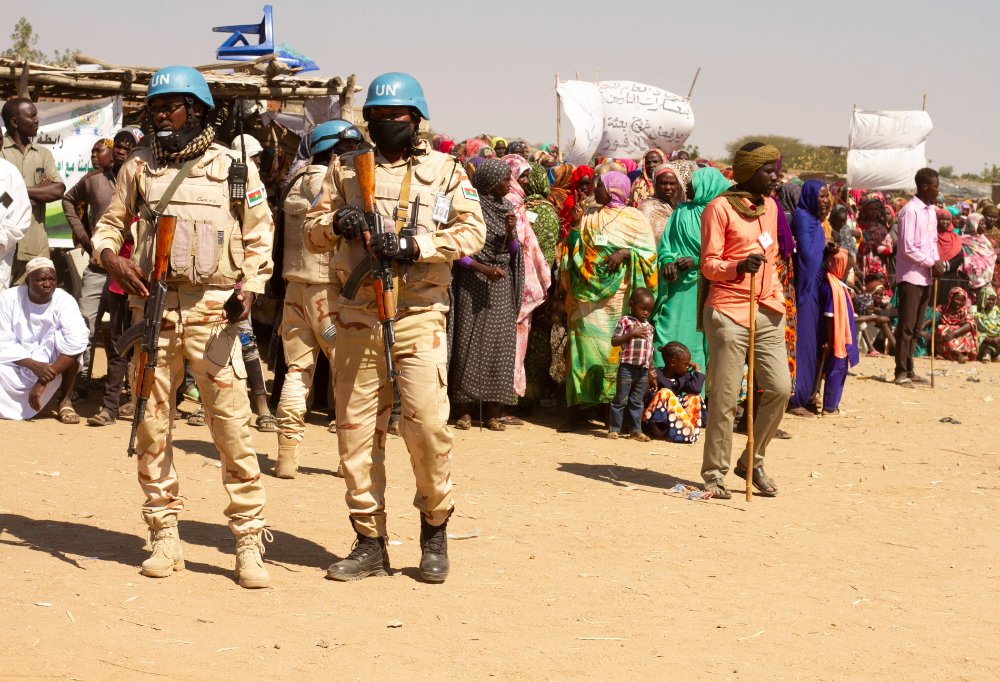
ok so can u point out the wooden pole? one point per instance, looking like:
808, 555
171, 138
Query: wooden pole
558, 121
578, 74
750, 390
933, 327
695, 80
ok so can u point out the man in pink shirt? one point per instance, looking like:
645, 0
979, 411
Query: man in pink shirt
739, 235
917, 262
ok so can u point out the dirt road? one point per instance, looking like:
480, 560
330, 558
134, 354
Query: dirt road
878, 560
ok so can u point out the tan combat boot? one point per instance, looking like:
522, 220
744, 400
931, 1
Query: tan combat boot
288, 457
250, 571
167, 555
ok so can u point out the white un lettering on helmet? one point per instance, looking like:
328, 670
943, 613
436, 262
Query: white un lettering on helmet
383, 89
160, 79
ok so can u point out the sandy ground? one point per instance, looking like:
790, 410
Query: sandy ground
879, 559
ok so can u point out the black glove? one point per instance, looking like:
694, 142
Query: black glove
751, 264
349, 222
391, 245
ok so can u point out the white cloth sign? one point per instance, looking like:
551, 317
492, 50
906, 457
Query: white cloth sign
621, 119
887, 148
888, 129
582, 120
640, 117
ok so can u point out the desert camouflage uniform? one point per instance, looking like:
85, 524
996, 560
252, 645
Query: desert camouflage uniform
308, 305
362, 393
216, 246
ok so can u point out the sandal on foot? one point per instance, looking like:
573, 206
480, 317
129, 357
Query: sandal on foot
126, 411
641, 437
781, 434
511, 420
717, 490
102, 418
464, 424
197, 418
761, 481
332, 427
800, 412
67, 415
266, 423
494, 424
612, 435
393, 429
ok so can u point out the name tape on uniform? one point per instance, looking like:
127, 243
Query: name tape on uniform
257, 196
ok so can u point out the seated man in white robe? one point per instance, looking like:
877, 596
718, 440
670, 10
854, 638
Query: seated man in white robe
42, 335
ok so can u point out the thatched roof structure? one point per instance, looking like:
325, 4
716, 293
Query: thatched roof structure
265, 78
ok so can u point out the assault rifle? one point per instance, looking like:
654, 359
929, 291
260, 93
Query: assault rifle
380, 268
145, 335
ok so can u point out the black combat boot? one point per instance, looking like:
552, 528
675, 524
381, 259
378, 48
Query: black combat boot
368, 557
433, 551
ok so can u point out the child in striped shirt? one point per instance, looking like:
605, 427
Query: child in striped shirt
634, 334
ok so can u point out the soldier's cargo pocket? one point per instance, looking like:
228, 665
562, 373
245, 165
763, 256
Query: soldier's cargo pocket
210, 241
180, 251
442, 394
223, 351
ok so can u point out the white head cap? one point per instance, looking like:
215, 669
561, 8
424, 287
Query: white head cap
38, 263
250, 143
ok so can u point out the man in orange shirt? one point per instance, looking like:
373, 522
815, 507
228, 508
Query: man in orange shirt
739, 236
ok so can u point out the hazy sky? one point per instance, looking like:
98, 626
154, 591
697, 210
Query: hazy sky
788, 68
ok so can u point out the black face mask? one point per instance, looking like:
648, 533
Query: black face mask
391, 136
173, 141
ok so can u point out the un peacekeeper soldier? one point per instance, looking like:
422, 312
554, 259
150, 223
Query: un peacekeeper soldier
450, 227
219, 242
307, 314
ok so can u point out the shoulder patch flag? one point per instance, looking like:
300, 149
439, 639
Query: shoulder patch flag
256, 196
469, 192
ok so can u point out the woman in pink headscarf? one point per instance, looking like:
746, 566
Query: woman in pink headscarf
537, 276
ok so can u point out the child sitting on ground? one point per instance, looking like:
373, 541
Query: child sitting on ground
634, 335
676, 410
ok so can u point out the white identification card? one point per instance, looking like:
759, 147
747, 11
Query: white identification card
600, 240
765, 241
532, 216
442, 208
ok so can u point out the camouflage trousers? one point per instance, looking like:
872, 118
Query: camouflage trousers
364, 401
306, 313
212, 350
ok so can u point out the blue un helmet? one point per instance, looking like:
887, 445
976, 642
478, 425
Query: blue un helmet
183, 80
327, 135
396, 90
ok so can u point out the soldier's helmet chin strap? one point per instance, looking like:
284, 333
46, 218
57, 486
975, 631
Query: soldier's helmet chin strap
173, 141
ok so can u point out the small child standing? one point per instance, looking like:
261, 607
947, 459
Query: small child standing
676, 411
838, 336
634, 335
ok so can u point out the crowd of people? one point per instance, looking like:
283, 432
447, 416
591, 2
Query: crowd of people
620, 296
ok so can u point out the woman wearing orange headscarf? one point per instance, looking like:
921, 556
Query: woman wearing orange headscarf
838, 336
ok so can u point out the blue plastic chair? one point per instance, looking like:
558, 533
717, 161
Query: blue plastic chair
238, 48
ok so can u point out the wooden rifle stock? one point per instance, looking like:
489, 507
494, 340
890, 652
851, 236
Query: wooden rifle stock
364, 169
147, 332
382, 275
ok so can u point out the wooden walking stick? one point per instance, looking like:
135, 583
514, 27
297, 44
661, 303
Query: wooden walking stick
933, 325
750, 390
